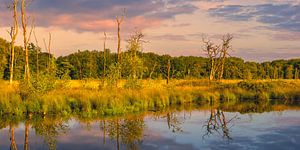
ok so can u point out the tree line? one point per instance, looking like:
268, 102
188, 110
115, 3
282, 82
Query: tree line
131, 64
137, 65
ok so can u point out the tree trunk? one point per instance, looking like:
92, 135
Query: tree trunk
37, 54
24, 26
153, 69
169, 69
13, 34
119, 42
104, 55
48, 48
212, 70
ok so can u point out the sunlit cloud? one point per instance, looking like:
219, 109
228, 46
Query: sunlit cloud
173, 27
281, 16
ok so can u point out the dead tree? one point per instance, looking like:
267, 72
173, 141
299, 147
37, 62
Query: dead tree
120, 20
212, 53
224, 53
37, 52
217, 55
26, 38
104, 55
152, 71
168, 71
48, 48
13, 34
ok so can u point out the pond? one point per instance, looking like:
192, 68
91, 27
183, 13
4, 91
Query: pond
174, 129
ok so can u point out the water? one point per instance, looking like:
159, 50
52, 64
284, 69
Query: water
175, 130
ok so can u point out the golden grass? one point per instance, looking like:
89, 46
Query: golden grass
88, 97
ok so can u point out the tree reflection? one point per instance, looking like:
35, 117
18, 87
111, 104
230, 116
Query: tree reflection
128, 131
103, 128
13, 145
217, 123
50, 129
26, 139
174, 124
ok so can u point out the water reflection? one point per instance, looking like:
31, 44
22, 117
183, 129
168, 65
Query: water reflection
196, 128
26, 141
13, 145
128, 131
49, 129
217, 123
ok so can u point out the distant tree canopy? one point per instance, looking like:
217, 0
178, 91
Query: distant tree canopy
89, 64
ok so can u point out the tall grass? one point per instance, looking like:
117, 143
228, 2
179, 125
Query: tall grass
90, 98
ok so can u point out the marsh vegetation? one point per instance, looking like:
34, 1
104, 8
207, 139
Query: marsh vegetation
90, 97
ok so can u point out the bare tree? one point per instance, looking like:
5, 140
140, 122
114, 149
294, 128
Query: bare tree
168, 71
26, 38
48, 48
104, 55
13, 34
217, 55
152, 71
120, 20
212, 53
224, 53
37, 52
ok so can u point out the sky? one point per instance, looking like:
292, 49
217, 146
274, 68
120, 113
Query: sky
263, 30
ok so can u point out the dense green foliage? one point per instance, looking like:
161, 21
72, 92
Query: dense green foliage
89, 64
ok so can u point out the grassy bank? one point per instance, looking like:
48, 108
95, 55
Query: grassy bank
94, 98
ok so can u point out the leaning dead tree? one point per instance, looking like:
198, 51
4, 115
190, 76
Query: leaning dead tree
13, 34
217, 55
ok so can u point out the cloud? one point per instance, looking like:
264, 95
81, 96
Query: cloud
260, 55
169, 37
277, 16
96, 15
287, 36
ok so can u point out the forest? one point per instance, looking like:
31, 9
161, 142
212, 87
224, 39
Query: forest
97, 64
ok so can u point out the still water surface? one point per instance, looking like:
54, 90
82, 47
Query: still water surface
174, 130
